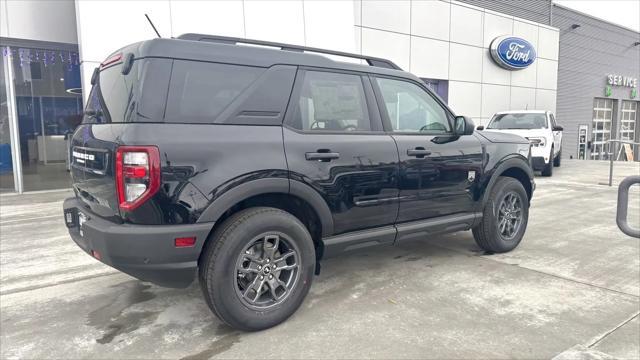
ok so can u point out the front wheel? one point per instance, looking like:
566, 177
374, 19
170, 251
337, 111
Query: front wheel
257, 268
556, 160
548, 168
505, 217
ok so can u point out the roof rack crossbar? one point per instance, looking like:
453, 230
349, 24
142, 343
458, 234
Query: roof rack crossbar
372, 61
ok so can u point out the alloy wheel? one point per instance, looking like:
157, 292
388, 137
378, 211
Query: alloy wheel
510, 215
267, 271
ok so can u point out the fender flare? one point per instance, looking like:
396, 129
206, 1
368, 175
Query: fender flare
508, 163
269, 186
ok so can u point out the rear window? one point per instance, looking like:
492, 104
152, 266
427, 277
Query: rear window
518, 121
112, 97
200, 91
119, 98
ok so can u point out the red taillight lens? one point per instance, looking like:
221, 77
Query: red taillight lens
137, 175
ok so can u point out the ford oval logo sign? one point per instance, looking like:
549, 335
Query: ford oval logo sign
512, 52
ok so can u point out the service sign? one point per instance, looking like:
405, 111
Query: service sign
619, 80
512, 53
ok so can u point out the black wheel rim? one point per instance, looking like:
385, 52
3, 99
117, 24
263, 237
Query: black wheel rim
510, 215
267, 271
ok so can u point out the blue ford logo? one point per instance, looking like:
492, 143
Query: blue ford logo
512, 53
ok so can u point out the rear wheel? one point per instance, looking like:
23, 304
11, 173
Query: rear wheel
257, 268
548, 168
505, 217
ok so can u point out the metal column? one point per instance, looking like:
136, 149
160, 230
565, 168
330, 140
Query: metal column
14, 128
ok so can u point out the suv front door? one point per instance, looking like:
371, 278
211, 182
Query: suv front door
334, 142
438, 171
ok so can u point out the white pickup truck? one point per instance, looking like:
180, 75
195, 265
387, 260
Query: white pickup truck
537, 126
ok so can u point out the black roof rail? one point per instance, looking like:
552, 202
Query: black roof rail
372, 61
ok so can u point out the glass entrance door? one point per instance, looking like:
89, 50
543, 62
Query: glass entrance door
601, 128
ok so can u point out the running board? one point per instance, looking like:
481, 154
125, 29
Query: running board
435, 226
390, 234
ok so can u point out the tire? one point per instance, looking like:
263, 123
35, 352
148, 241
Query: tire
548, 168
229, 273
557, 159
488, 233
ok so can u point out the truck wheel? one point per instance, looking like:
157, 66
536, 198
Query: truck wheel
556, 161
505, 217
548, 168
257, 268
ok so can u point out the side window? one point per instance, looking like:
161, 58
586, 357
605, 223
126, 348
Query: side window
411, 108
200, 91
331, 102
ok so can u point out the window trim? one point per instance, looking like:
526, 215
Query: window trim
384, 115
375, 120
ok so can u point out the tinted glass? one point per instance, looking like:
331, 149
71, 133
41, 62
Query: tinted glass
200, 91
518, 121
411, 108
138, 96
331, 101
114, 96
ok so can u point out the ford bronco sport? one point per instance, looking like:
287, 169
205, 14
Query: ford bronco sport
247, 165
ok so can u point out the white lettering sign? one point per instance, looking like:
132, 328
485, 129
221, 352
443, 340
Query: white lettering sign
83, 156
514, 52
619, 80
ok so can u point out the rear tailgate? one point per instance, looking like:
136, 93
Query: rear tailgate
92, 168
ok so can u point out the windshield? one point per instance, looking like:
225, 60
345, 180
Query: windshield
518, 121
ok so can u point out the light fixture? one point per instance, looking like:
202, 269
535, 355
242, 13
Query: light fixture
575, 26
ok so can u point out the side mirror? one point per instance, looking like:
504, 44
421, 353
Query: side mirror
480, 128
558, 128
463, 126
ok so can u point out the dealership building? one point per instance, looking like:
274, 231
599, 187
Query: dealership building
583, 69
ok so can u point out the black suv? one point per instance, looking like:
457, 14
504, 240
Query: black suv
246, 165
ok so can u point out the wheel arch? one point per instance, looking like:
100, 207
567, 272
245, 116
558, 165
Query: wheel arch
515, 167
289, 195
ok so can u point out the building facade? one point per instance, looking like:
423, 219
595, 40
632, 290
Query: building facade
598, 76
446, 43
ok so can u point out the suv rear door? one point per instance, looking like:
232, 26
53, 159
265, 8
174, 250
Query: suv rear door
334, 142
438, 170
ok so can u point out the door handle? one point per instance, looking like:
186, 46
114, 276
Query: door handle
418, 152
322, 155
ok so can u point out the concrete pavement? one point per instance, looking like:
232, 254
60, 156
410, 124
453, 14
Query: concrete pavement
571, 290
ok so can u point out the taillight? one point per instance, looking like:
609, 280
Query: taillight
137, 175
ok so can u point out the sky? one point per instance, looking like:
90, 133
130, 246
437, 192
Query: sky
621, 12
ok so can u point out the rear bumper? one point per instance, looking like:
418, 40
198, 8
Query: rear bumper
146, 252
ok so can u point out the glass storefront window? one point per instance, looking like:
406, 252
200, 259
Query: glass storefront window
48, 103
